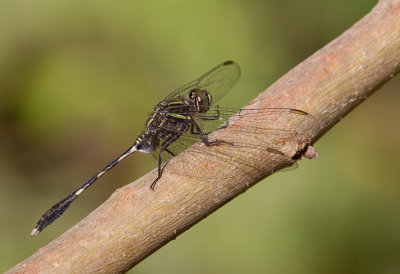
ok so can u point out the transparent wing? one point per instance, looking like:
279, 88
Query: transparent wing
253, 133
217, 81
255, 120
216, 162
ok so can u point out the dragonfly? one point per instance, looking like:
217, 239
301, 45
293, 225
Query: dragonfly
187, 116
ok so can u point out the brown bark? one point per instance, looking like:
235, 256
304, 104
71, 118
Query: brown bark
134, 222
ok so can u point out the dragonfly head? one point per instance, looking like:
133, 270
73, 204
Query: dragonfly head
146, 142
201, 99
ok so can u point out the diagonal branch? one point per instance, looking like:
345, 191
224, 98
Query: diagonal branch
134, 222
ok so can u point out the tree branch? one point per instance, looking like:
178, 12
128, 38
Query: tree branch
134, 222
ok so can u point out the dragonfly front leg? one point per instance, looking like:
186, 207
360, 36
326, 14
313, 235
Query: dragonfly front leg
216, 117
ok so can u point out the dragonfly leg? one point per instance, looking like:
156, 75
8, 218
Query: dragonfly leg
170, 152
216, 117
203, 136
164, 147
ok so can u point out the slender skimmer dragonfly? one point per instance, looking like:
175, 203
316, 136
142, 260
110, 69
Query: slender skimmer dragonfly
187, 116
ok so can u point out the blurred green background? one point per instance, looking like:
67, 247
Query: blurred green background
77, 79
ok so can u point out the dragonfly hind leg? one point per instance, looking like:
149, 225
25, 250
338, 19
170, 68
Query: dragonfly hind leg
164, 147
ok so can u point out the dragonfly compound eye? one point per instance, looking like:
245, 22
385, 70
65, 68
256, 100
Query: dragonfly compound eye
201, 99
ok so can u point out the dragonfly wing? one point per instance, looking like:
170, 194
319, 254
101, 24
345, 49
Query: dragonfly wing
252, 136
218, 81
256, 121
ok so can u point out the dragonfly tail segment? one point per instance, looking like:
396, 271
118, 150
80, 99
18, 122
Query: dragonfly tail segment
58, 209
